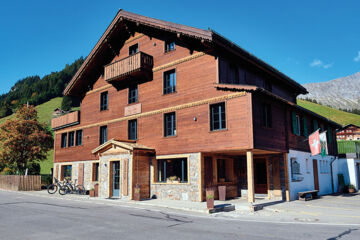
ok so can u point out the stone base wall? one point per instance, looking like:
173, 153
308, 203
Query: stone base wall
181, 191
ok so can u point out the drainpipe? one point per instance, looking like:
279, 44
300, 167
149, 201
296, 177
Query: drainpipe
332, 176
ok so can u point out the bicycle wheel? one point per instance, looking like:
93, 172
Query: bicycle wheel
64, 190
80, 189
51, 188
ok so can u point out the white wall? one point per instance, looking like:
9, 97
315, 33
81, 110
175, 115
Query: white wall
347, 167
305, 180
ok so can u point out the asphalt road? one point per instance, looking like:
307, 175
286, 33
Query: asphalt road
25, 216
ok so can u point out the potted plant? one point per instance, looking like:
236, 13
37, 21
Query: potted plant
222, 193
351, 188
210, 195
137, 192
173, 179
92, 192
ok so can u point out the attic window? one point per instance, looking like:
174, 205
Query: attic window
133, 49
169, 46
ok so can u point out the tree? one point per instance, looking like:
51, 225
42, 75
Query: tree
24, 141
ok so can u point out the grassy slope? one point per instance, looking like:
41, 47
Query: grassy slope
335, 115
44, 114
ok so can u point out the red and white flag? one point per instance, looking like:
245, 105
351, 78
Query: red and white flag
314, 143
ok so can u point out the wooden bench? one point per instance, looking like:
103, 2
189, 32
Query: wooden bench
307, 195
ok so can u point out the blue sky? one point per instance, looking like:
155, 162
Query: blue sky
310, 41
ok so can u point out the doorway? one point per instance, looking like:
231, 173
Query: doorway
115, 179
316, 174
260, 176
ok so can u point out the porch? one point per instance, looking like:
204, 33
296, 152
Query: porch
246, 175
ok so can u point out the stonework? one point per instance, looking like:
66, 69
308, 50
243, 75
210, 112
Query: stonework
181, 191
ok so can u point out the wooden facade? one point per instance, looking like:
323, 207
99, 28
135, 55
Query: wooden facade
209, 70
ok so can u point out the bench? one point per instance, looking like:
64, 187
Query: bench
307, 195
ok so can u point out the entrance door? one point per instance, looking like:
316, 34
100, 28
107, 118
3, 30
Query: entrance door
316, 174
115, 178
260, 177
208, 171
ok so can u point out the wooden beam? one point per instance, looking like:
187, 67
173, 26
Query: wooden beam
286, 170
250, 176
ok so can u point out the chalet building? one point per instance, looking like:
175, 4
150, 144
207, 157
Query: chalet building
348, 132
175, 109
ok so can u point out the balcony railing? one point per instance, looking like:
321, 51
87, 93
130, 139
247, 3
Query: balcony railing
131, 66
66, 120
349, 148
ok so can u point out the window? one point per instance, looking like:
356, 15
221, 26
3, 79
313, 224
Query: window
63, 140
103, 134
71, 139
172, 170
95, 172
66, 172
79, 136
133, 94
266, 115
225, 169
169, 124
103, 101
295, 169
217, 116
169, 81
132, 129
267, 85
221, 170
296, 125
169, 46
133, 49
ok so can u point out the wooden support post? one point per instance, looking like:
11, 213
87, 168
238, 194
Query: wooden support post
286, 170
250, 177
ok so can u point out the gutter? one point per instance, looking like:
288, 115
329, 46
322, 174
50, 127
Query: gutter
332, 175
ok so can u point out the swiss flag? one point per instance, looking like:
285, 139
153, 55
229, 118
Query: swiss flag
314, 143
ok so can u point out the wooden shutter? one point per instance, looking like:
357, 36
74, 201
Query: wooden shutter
315, 125
305, 127
294, 123
329, 135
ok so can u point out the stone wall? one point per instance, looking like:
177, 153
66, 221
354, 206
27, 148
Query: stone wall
181, 191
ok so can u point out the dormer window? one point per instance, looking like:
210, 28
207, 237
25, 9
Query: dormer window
133, 49
169, 46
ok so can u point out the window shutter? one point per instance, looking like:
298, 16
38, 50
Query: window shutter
306, 134
294, 124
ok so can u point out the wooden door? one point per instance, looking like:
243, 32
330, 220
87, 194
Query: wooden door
316, 174
260, 176
208, 165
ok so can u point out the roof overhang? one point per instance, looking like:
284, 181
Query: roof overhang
123, 144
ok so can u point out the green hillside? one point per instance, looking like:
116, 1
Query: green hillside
44, 114
335, 115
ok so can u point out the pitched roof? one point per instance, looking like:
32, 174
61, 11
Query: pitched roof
128, 145
196, 33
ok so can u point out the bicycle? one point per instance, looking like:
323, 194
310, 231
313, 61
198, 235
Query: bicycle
71, 187
54, 187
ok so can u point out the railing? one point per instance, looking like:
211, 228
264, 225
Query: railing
66, 120
349, 147
131, 64
20, 182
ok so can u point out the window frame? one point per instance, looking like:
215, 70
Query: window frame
131, 48
63, 142
71, 139
169, 43
173, 125
172, 83
103, 106
162, 161
133, 99
101, 140
221, 120
131, 127
63, 171
77, 134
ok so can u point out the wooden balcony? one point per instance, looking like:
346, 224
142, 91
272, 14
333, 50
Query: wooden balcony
137, 66
66, 120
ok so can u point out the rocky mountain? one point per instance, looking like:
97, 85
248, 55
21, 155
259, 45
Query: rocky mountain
340, 93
